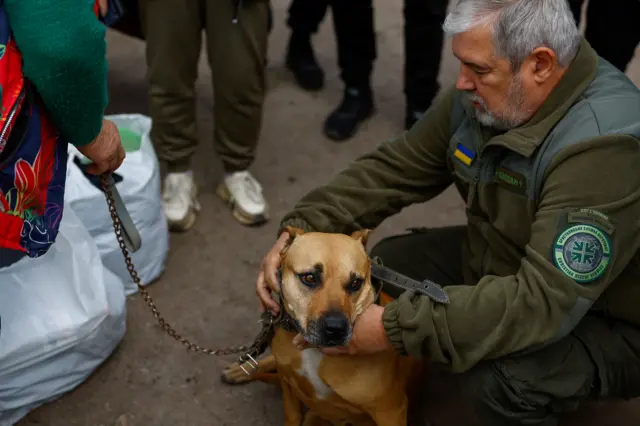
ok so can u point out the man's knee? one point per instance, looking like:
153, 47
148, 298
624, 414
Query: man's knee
425, 253
532, 388
383, 250
403, 253
497, 400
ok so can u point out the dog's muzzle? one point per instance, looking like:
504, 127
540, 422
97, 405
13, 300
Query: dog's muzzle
332, 329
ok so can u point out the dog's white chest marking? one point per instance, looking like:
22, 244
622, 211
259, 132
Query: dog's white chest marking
309, 366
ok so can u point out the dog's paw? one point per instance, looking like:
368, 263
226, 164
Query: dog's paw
235, 375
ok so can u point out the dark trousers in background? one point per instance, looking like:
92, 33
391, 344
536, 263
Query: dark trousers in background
613, 28
356, 41
600, 359
237, 56
353, 21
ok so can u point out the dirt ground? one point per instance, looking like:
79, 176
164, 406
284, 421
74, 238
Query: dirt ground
207, 290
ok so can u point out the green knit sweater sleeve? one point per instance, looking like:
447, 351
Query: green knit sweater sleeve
64, 54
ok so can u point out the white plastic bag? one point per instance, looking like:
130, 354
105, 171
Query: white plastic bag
141, 193
62, 315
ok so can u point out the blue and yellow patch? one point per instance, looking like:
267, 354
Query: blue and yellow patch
464, 154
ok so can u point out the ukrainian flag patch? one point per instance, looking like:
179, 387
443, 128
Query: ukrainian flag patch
464, 154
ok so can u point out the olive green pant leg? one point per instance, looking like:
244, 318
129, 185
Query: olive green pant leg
434, 254
599, 360
173, 32
237, 53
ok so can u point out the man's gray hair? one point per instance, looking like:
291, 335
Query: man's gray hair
520, 26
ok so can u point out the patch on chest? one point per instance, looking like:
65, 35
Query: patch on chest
510, 179
310, 360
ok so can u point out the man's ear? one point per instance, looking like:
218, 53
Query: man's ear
541, 64
293, 234
361, 235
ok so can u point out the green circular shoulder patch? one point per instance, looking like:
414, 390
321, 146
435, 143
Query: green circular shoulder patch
582, 252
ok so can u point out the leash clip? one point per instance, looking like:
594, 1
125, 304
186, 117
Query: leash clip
259, 345
253, 365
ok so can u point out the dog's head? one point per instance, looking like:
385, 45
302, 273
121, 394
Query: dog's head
326, 283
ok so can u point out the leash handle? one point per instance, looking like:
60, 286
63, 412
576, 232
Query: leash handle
130, 234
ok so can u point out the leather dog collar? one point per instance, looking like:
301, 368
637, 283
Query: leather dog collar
427, 287
284, 319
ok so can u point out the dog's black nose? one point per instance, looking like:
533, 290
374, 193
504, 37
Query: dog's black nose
335, 325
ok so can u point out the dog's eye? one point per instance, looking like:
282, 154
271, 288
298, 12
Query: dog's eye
354, 285
308, 279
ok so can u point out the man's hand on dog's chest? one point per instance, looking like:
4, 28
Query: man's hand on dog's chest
368, 336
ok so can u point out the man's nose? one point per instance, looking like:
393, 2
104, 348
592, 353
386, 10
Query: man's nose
335, 324
464, 83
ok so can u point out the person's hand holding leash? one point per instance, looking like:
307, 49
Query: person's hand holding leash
268, 276
368, 336
104, 7
105, 151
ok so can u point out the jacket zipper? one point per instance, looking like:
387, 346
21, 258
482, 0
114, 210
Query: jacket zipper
10, 119
483, 224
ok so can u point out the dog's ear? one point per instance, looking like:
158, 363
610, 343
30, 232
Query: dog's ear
293, 234
361, 235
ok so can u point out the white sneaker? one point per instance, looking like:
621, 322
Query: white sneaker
242, 192
180, 201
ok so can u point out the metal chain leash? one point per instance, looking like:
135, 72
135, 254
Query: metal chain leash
250, 351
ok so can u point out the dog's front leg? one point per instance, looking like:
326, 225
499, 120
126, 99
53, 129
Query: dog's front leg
292, 406
265, 372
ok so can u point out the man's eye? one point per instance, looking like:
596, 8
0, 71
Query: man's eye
355, 285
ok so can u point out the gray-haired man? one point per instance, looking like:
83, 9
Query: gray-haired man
541, 137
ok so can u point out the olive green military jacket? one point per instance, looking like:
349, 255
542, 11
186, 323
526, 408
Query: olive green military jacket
553, 210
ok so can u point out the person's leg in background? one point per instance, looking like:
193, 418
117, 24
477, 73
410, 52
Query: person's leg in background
356, 41
423, 42
237, 53
172, 31
303, 20
576, 9
613, 31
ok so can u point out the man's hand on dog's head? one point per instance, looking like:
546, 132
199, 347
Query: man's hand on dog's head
368, 336
268, 276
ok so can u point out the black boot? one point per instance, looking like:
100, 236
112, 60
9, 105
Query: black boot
302, 62
356, 106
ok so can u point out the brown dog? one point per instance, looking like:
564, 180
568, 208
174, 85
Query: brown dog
326, 285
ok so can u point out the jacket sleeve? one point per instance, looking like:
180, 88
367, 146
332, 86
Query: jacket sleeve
410, 168
64, 56
598, 205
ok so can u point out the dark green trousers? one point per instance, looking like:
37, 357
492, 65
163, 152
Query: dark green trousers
237, 55
600, 359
